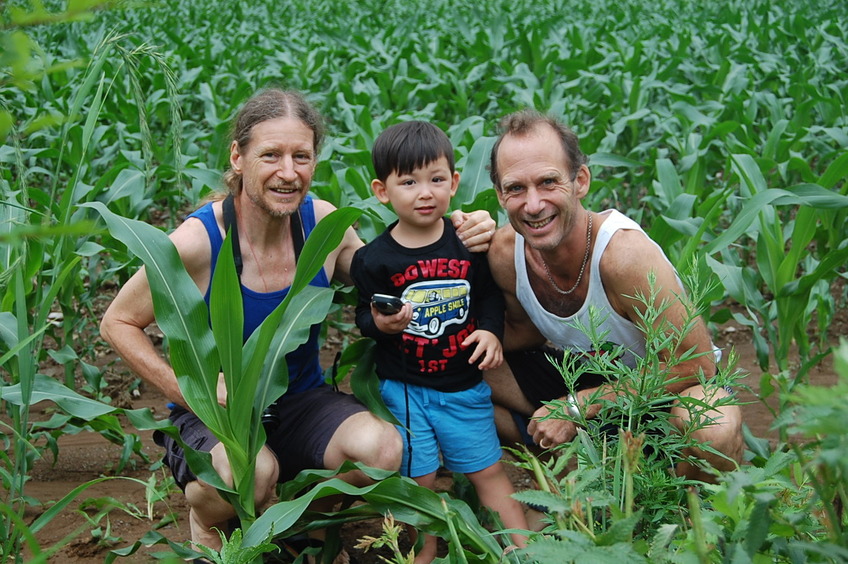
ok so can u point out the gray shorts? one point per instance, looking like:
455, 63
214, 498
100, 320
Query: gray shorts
307, 422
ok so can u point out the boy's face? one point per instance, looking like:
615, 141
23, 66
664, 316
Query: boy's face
421, 197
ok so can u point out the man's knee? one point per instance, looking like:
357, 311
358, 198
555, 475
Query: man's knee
221, 464
365, 438
266, 472
386, 448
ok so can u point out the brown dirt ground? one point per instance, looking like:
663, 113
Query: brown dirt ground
86, 456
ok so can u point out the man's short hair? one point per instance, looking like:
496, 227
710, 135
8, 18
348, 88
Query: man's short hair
403, 147
272, 103
522, 123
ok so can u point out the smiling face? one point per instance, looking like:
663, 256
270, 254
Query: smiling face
277, 164
421, 197
539, 192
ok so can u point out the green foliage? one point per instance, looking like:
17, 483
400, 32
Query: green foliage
789, 506
202, 344
624, 486
620, 500
720, 127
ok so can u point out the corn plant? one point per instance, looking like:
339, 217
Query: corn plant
31, 231
793, 277
201, 344
77, 412
721, 130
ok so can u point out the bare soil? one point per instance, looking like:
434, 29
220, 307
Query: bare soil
86, 456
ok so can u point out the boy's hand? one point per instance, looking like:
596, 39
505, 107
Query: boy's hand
474, 229
488, 349
395, 323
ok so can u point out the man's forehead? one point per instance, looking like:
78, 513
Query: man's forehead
545, 153
283, 128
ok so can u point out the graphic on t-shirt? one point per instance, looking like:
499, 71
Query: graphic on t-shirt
435, 304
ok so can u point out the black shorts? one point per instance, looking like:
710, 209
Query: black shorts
308, 421
540, 379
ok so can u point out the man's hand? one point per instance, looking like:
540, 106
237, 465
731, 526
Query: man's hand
550, 432
395, 323
474, 229
488, 349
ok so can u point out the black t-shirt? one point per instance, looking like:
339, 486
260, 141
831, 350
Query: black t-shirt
452, 293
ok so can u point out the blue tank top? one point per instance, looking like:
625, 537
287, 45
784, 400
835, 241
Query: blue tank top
304, 369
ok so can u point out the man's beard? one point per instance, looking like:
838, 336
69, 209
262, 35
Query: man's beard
274, 212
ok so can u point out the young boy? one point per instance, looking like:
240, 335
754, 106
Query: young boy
430, 354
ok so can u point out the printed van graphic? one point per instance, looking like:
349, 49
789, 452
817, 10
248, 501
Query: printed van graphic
437, 303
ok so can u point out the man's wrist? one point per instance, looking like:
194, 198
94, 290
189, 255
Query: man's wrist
571, 406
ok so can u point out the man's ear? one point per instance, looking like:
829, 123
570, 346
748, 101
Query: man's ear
235, 158
582, 181
379, 189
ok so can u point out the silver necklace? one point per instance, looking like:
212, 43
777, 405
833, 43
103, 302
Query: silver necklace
582, 266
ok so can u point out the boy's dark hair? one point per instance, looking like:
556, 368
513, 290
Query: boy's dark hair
406, 146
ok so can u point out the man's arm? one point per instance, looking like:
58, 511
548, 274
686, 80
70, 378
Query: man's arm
337, 265
474, 229
519, 331
625, 268
131, 312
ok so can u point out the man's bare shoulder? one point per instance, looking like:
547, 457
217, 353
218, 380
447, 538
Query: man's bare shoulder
503, 244
630, 248
192, 243
628, 259
502, 257
322, 208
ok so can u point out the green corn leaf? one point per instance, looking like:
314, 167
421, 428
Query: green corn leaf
8, 330
770, 148
668, 187
824, 270
226, 314
364, 382
44, 388
802, 194
803, 230
326, 237
613, 161
180, 312
746, 167
408, 502
308, 307
475, 172
836, 171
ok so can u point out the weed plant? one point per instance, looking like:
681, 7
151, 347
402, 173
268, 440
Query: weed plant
719, 126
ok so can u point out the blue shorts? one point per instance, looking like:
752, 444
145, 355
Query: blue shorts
460, 425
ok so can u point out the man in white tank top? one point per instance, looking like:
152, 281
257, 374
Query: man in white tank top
558, 265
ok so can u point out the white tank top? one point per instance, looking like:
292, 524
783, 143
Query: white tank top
564, 332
